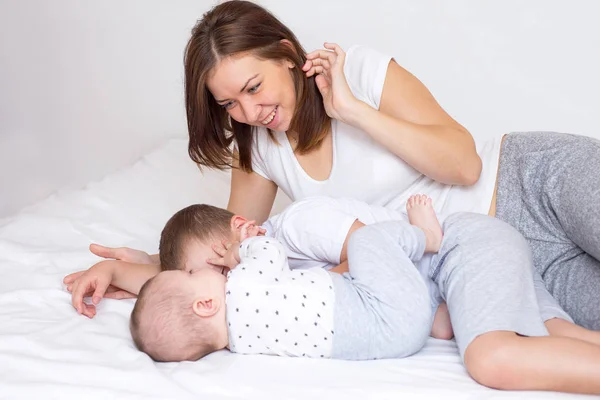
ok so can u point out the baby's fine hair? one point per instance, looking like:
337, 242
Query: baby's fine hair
198, 222
164, 325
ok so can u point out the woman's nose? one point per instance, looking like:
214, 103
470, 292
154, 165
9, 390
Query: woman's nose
251, 111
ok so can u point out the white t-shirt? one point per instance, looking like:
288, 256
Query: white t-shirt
364, 170
313, 232
274, 310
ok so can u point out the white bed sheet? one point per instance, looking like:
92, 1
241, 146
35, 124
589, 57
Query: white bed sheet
48, 351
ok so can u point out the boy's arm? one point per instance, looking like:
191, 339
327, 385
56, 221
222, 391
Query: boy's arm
98, 278
131, 277
264, 255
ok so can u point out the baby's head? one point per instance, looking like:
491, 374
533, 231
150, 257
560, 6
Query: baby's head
185, 242
181, 316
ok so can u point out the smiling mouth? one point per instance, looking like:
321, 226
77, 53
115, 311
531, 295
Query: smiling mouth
270, 117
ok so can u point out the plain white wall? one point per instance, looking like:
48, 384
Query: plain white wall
88, 87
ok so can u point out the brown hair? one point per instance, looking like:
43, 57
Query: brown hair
198, 221
164, 325
231, 28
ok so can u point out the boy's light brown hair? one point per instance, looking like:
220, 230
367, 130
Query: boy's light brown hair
200, 222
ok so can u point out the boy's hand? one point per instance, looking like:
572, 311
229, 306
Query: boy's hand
228, 254
95, 282
113, 292
249, 229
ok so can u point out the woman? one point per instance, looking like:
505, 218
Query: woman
378, 135
357, 124
361, 126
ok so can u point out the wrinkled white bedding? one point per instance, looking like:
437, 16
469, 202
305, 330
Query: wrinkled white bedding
48, 351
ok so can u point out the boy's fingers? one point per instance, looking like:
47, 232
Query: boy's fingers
71, 277
220, 262
77, 297
218, 250
80, 290
99, 292
89, 310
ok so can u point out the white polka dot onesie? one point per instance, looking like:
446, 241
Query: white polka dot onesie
274, 310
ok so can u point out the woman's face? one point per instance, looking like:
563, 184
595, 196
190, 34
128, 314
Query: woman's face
254, 91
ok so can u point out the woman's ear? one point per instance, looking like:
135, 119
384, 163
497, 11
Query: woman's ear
205, 307
286, 42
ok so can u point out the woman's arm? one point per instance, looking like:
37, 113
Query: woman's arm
251, 196
412, 125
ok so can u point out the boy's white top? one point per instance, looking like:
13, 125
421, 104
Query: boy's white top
363, 169
313, 230
274, 310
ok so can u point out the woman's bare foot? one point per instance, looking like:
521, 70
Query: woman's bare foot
421, 214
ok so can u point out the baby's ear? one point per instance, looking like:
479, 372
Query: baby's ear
236, 222
205, 307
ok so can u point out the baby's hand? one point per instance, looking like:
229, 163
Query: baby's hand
228, 254
94, 282
249, 229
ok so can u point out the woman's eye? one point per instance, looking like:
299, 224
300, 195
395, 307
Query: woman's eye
253, 89
227, 105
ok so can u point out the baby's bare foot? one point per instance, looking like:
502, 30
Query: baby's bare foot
421, 214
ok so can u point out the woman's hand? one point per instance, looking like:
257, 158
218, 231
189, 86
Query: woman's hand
123, 254
329, 67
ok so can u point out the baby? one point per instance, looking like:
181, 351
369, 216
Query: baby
380, 309
314, 232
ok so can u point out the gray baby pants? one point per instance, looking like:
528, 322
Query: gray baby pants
382, 305
484, 272
549, 190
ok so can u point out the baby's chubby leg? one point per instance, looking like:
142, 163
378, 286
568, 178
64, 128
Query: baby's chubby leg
381, 270
421, 214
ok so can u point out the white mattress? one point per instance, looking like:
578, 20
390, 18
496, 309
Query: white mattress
48, 351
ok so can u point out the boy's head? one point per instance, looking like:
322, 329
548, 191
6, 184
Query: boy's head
186, 239
181, 316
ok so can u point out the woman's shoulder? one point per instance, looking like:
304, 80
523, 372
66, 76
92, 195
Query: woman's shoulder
365, 69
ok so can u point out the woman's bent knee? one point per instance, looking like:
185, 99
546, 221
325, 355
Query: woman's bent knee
490, 360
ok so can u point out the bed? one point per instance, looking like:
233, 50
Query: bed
48, 351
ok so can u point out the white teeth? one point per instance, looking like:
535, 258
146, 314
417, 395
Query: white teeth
270, 117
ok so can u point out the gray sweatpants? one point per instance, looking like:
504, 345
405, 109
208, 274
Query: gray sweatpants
382, 306
549, 189
483, 271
